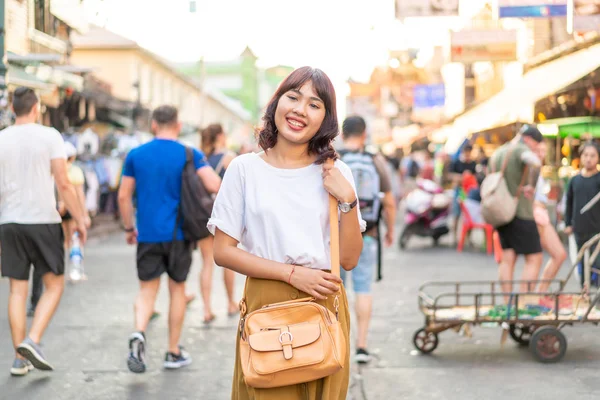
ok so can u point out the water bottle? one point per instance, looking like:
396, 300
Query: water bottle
75, 259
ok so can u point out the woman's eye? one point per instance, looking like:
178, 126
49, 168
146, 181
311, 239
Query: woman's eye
315, 106
294, 98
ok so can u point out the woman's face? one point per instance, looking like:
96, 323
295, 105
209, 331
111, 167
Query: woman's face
589, 158
299, 114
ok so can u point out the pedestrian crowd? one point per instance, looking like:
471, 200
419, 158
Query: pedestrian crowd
287, 218
264, 215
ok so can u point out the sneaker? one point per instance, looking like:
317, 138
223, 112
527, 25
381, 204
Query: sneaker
136, 362
175, 361
33, 352
20, 367
362, 356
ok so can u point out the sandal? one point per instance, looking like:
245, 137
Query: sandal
207, 321
189, 299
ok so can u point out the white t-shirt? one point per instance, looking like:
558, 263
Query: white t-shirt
277, 214
26, 182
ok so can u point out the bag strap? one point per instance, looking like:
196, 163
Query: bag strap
221, 164
334, 229
334, 247
505, 161
189, 156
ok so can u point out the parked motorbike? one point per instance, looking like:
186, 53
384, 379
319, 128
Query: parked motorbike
427, 210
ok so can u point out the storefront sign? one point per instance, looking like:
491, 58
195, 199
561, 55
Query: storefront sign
586, 15
429, 96
426, 8
532, 8
483, 45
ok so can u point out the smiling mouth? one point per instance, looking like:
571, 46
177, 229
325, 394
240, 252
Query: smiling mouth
296, 124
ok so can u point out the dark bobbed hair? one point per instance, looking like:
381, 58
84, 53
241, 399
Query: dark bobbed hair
209, 138
353, 126
24, 99
322, 143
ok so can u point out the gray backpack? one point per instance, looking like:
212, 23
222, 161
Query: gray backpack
367, 182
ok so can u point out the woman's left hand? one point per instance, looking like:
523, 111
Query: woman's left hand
337, 184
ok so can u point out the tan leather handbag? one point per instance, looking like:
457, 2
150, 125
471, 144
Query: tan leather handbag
295, 341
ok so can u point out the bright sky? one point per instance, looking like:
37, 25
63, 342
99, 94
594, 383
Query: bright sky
343, 37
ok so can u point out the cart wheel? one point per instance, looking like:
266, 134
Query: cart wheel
548, 344
424, 341
522, 333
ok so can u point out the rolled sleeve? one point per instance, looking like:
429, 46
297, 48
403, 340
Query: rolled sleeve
228, 213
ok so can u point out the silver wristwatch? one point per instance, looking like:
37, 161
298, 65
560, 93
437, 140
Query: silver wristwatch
347, 207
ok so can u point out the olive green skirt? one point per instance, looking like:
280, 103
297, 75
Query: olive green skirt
260, 292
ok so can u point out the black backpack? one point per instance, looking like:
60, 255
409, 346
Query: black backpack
196, 203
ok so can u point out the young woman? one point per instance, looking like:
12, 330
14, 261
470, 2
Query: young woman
548, 236
214, 147
583, 188
275, 204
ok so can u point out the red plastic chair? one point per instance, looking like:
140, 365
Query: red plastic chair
468, 225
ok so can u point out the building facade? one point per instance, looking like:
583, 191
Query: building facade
138, 75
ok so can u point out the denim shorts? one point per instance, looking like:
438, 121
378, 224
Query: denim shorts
362, 275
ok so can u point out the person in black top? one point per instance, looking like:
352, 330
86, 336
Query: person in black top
464, 163
583, 188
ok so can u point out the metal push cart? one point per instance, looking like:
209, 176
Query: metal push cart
532, 319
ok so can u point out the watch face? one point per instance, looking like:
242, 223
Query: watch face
345, 207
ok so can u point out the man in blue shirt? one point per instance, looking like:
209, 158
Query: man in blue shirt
153, 171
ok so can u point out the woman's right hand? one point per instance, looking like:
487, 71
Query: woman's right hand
315, 282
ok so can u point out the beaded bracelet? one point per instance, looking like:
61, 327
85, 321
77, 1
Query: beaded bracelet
291, 273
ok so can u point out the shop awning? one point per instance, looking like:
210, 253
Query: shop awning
61, 78
516, 102
571, 127
17, 76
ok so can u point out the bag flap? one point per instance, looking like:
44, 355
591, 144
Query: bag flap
301, 335
491, 183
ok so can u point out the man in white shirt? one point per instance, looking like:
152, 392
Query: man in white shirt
30, 225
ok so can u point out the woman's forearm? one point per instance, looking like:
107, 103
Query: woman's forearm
241, 261
351, 242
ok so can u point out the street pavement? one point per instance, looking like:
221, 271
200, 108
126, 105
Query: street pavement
87, 341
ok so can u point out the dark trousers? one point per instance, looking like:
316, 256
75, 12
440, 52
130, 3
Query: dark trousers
37, 287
